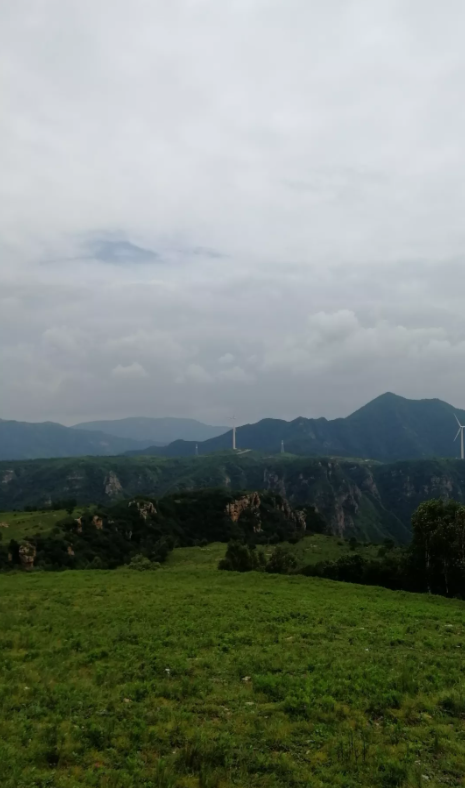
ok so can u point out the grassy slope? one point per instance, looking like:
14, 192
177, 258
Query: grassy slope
22, 525
310, 550
125, 679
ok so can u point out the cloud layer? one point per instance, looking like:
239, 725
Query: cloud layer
246, 207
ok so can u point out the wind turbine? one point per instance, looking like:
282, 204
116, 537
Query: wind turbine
233, 419
460, 432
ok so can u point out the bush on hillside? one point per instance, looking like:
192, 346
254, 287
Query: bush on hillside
242, 558
281, 561
141, 563
396, 572
246, 558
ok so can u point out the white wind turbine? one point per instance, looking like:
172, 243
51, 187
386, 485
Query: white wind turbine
233, 420
460, 432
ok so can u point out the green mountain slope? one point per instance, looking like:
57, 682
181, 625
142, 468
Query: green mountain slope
364, 499
158, 431
23, 440
387, 429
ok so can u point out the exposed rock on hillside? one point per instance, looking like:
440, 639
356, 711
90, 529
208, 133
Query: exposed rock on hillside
145, 508
128, 529
252, 505
368, 500
27, 554
113, 486
246, 502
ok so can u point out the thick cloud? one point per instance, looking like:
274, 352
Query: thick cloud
248, 207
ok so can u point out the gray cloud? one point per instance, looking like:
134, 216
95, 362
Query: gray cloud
122, 252
250, 207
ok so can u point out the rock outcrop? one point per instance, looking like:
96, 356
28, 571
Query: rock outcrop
245, 502
113, 486
8, 476
98, 522
146, 509
297, 515
27, 554
251, 503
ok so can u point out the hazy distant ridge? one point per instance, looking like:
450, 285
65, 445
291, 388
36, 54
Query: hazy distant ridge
159, 431
20, 440
387, 429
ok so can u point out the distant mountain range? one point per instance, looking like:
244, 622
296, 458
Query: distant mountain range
21, 440
155, 431
25, 441
387, 429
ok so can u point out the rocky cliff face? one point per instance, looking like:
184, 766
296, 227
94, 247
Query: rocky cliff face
249, 503
146, 509
27, 555
363, 499
253, 506
113, 486
7, 476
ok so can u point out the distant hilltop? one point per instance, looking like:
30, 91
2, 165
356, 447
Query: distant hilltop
387, 429
20, 440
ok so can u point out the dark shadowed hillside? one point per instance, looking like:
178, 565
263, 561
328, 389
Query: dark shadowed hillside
387, 429
363, 499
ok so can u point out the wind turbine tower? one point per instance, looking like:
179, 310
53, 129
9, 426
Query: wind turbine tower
196, 449
282, 447
460, 432
233, 419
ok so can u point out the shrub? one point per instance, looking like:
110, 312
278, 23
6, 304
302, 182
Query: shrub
242, 558
281, 561
141, 563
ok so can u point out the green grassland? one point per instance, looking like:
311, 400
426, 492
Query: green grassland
196, 678
23, 525
309, 550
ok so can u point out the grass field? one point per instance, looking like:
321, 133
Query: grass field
22, 525
309, 550
196, 678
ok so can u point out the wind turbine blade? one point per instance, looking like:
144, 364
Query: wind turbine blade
460, 430
456, 419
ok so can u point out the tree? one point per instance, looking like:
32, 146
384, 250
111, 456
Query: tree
242, 558
438, 545
281, 561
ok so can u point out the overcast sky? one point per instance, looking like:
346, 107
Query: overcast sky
211, 207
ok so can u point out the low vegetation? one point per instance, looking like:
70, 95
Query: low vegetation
434, 561
166, 673
189, 677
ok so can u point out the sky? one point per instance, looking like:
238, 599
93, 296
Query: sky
230, 207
